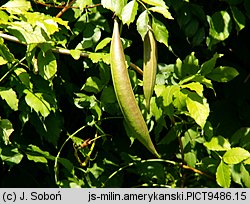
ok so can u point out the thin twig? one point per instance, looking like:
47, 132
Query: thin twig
196, 171
62, 6
63, 51
68, 5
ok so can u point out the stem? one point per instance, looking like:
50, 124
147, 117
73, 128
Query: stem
59, 152
68, 5
11, 69
64, 51
157, 160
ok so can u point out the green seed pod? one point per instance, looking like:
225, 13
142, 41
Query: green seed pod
149, 66
124, 92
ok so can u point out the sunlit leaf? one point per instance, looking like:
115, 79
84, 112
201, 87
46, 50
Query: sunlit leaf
198, 108
2, 61
6, 130
194, 86
239, 18
93, 84
102, 44
82, 4
167, 93
114, 5
220, 25
47, 64
142, 24
17, 6
218, 144
155, 2
97, 57
162, 10
36, 158
11, 155
160, 31
23, 76
129, 12
235, 155
5, 54
223, 175
38, 103
9, 95
76, 54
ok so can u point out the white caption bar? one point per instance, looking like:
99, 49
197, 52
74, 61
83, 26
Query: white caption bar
123, 195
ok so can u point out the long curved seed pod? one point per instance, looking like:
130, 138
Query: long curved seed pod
149, 66
124, 92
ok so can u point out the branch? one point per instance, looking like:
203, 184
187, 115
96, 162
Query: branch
62, 6
196, 171
63, 51
68, 5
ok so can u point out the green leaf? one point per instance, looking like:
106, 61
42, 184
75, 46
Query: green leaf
5, 130
97, 57
10, 155
155, 2
223, 175
160, 31
108, 95
166, 92
23, 76
223, 74
5, 53
209, 65
245, 176
37, 102
162, 10
9, 95
247, 161
241, 137
82, 4
76, 54
47, 64
191, 28
190, 158
2, 61
189, 66
27, 34
194, 86
129, 12
36, 150
218, 144
235, 155
220, 25
36, 158
172, 134
239, 18
93, 84
17, 6
53, 126
4, 17
114, 5
142, 24
45, 22
180, 100
198, 108
102, 44
198, 37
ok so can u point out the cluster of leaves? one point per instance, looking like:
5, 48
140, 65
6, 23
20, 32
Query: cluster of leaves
58, 108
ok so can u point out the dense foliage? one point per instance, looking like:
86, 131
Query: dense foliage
61, 124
